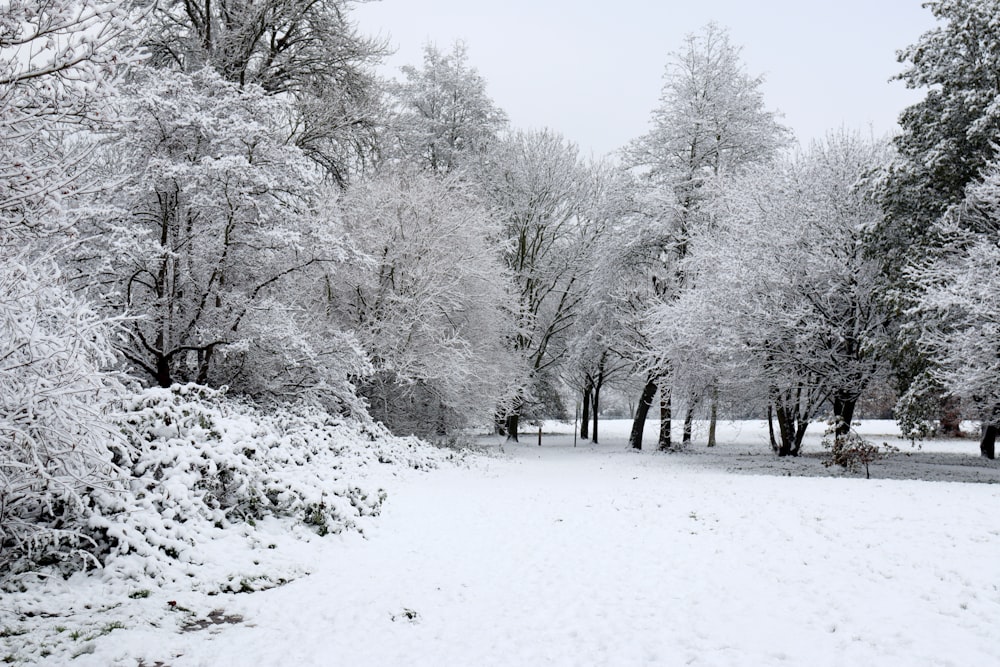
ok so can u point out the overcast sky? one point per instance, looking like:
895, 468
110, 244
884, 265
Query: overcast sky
593, 70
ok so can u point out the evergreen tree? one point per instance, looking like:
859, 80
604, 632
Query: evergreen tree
957, 304
950, 135
947, 140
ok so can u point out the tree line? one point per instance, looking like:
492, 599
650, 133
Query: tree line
225, 193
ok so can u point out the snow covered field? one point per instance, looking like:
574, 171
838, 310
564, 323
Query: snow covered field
593, 555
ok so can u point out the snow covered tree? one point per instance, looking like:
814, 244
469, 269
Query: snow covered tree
428, 301
307, 50
786, 281
947, 140
537, 186
217, 242
443, 112
711, 121
56, 441
956, 312
594, 361
598, 352
56, 59
950, 135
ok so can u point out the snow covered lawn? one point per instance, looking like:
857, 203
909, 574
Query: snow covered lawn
593, 555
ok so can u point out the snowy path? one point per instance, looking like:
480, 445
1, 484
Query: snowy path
605, 557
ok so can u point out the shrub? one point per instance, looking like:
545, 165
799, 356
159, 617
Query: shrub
851, 451
202, 461
57, 440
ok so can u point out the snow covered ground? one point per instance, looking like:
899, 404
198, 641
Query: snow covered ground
593, 555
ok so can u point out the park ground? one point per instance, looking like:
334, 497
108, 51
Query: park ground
585, 554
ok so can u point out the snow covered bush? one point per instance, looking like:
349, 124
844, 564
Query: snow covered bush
851, 452
57, 441
203, 463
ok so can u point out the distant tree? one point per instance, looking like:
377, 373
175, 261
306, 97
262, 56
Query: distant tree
711, 121
429, 301
538, 188
443, 113
594, 363
599, 351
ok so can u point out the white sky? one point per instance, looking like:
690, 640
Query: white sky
593, 70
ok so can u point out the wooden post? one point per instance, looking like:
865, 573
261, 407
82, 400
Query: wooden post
539, 435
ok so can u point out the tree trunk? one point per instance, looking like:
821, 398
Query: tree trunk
442, 419
499, 423
843, 413
987, 445
510, 425
688, 424
163, 376
585, 423
951, 419
792, 422
635, 438
597, 407
714, 416
800, 432
666, 417
786, 430
770, 426
204, 362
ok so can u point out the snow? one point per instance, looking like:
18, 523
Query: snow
592, 555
